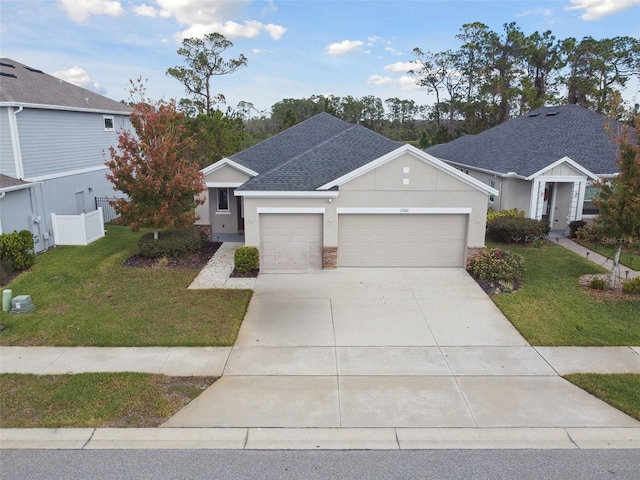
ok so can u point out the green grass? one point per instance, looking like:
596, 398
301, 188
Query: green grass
94, 399
620, 391
628, 258
86, 297
552, 309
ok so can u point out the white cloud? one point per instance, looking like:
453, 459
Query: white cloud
379, 80
408, 83
79, 10
393, 51
79, 77
400, 67
345, 46
206, 16
145, 10
596, 9
276, 31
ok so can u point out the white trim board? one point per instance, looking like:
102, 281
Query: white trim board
319, 210
223, 184
69, 173
404, 211
228, 162
569, 162
285, 194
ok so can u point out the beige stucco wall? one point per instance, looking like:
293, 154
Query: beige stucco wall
486, 178
515, 193
383, 187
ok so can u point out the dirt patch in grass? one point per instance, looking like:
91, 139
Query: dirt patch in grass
193, 261
492, 287
249, 274
134, 400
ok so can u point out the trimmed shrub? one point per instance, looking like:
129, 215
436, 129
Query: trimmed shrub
631, 286
246, 259
588, 233
6, 269
170, 243
497, 265
17, 248
517, 229
513, 213
599, 284
575, 226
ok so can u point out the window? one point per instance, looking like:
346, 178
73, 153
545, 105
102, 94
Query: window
108, 123
492, 184
588, 208
223, 199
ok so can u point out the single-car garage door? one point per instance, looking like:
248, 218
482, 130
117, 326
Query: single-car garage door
421, 240
290, 241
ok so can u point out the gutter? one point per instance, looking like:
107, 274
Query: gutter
21, 105
484, 170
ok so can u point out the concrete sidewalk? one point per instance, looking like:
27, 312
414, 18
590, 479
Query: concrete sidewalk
595, 257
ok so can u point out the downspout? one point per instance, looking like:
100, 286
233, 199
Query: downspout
2, 194
15, 141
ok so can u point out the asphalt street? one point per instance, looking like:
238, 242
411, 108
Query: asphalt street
310, 465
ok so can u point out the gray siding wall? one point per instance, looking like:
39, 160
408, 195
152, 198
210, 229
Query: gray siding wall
15, 211
7, 163
55, 141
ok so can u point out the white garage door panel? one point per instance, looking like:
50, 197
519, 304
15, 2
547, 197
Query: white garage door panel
402, 240
290, 242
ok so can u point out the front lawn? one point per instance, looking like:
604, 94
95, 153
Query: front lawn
620, 391
552, 309
628, 258
94, 399
86, 297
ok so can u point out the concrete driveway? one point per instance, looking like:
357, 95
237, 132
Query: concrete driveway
377, 348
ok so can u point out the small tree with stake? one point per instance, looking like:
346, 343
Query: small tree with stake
151, 168
619, 197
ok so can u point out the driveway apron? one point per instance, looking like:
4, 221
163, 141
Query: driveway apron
395, 347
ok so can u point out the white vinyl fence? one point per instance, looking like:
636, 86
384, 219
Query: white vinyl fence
77, 229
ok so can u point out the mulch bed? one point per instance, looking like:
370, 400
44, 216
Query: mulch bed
611, 294
492, 287
193, 261
249, 274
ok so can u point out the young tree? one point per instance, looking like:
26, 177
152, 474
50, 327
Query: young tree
150, 167
619, 198
203, 57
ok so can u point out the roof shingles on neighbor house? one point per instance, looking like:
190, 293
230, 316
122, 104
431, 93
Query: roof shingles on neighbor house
24, 85
529, 143
313, 153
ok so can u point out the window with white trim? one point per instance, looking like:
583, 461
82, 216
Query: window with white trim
492, 184
109, 123
588, 208
223, 199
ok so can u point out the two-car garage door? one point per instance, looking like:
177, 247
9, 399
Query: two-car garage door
294, 241
421, 240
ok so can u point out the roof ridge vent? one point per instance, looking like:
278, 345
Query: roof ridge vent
5, 64
35, 70
534, 114
551, 114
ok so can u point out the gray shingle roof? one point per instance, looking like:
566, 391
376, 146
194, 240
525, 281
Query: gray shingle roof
311, 154
535, 140
10, 183
21, 84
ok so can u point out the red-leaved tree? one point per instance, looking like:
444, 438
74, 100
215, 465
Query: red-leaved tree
151, 168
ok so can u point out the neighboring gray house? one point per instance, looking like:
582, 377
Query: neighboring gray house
325, 193
542, 163
54, 140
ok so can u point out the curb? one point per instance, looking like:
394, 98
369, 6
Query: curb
320, 438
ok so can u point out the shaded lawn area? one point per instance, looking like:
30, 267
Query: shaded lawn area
552, 309
94, 399
86, 297
620, 391
628, 258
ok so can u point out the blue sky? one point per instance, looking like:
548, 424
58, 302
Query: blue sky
295, 48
